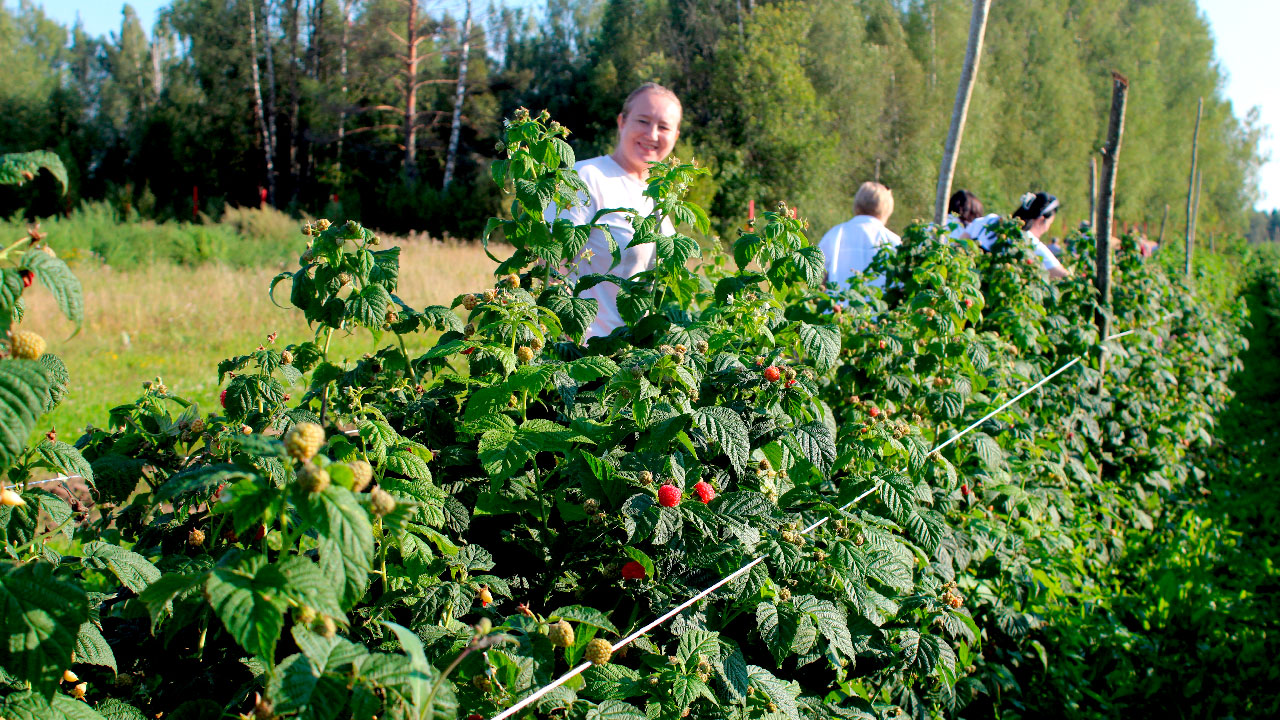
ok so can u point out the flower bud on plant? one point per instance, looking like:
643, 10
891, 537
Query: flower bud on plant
701, 346
489, 295
381, 502
78, 690
668, 496
303, 441
68, 676
327, 627
27, 277
784, 594
484, 596
599, 651
646, 477
560, 634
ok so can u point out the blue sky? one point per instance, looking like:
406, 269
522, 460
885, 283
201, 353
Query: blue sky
1243, 30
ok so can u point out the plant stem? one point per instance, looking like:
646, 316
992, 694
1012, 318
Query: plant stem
413, 375
324, 396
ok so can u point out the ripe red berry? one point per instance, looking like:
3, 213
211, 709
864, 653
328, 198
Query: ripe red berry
222, 398
28, 277
705, 492
875, 411
772, 373
964, 489
791, 383
968, 303
633, 571
668, 496
468, 351
883, 344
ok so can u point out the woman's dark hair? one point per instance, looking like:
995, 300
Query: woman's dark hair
966, 206
1035, 206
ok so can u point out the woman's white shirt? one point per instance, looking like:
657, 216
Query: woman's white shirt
609, 186
850, 246
980, 231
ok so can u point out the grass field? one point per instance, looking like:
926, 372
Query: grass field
177, 321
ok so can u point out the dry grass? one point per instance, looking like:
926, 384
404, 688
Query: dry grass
177, 322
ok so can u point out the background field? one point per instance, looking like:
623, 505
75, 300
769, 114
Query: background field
175, 321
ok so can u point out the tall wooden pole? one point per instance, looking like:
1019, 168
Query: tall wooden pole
1195, 208
1093, 192
1191, 193
964, 92
1107, 200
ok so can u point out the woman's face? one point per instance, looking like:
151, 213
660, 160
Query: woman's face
648, 132
1040, 226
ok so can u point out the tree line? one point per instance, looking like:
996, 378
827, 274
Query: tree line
349, 108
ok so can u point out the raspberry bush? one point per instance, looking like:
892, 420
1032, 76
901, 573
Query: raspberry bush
441, 535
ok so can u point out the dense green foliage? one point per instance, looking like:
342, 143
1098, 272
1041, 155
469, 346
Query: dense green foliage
797, 100
425, 550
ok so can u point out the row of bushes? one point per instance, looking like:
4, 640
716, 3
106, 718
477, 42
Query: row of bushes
442, 535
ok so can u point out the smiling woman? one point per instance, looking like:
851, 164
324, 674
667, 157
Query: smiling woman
648, 128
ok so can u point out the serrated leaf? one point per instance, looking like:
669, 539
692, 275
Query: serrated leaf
133, 570
249, 598
587, 616
40, 616
92, 648
815, 443
58, 455
726, 428
345, 540
24, 385
65, 287
821, 343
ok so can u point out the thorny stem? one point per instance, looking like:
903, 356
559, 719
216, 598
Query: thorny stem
413, 375
324, 396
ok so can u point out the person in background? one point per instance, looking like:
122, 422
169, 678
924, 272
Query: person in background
850, 246
963, 208
1036, 211
648, 128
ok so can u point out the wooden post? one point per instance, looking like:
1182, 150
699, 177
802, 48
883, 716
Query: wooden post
1107, 202
1163, 220
1093, 192
1191, 193
964, 92
1195, 214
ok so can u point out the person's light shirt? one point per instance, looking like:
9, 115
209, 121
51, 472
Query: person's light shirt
980, 230
954, 226
609, 186
850, 246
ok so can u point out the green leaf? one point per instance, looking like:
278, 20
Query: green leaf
575, 314
40, 617
92, 647
310, 587
133, 570
345, 540
160, 594
19, 168
821, 343
592, 367
369, 306
24, 385
639, 556
65, 287
614, 710
586, 616
698, 644
30, 706
116, 709
728, 431
60, 456
59, 378
249, 598
814, 442
782, 694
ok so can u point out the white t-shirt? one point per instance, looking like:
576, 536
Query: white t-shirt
979, 230
850, 246
609, 186
954, 225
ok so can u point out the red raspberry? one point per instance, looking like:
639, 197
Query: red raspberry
791, 383
668, 496
705, 492
875, 411
468, 351
964, 489
883, 344
222, 398
28, 277
968, 303
633, 571
772, 373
